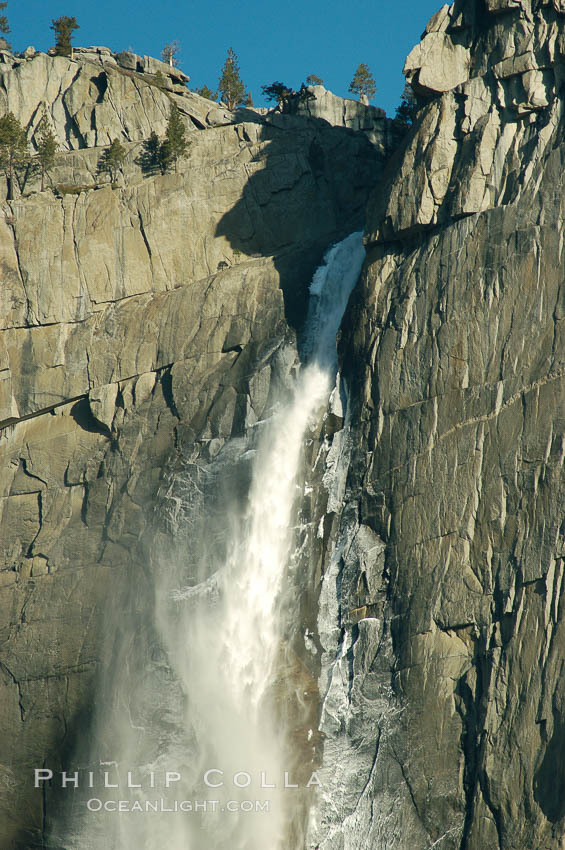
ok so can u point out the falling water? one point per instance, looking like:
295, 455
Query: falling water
222, 628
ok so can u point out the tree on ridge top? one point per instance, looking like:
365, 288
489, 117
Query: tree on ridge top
170, 52
4, 25
277, 91
230, 86
64, 28
287, 98
363, 83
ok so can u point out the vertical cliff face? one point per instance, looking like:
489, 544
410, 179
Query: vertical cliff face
441, 615
140, 322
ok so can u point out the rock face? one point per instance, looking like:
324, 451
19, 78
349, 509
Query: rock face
346, 112
441, 607
95, 97
138, 320
472, 151
148, 319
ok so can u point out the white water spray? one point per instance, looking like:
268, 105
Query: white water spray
238, 644
223, 635
252, 581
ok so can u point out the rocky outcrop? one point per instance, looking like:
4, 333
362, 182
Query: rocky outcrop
346, 112
472, 148
94, 97
447, 687
138, 321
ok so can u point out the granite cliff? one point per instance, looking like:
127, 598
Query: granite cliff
146, 323
443, 641
139, 321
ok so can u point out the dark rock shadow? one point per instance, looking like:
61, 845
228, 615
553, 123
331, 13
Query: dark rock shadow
249, 116
549, 779
49, 798
308, 187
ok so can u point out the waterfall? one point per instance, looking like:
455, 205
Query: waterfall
220, 624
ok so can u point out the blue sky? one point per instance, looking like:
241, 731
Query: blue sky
283, 41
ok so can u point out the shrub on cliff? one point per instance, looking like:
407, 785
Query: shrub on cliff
160, 80
162, 156
14, 152
406, 113
206, 92
287, 99
46, 150
64, 28
112, 160
407, 108
149, 160
176, 144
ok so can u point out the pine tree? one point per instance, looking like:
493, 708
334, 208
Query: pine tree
149, 160
230, 85
46, 149
363, 83
4, 25
157, 155
175, 144
314, 80
277, 91
406, 110
112, 160
170, 52
13, 149
304, 94
64, 27
206, 92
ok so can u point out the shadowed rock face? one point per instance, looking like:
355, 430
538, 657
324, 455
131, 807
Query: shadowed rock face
139, 323
449, 731
346, 112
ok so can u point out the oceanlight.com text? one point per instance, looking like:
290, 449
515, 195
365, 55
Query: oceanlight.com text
186, 806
